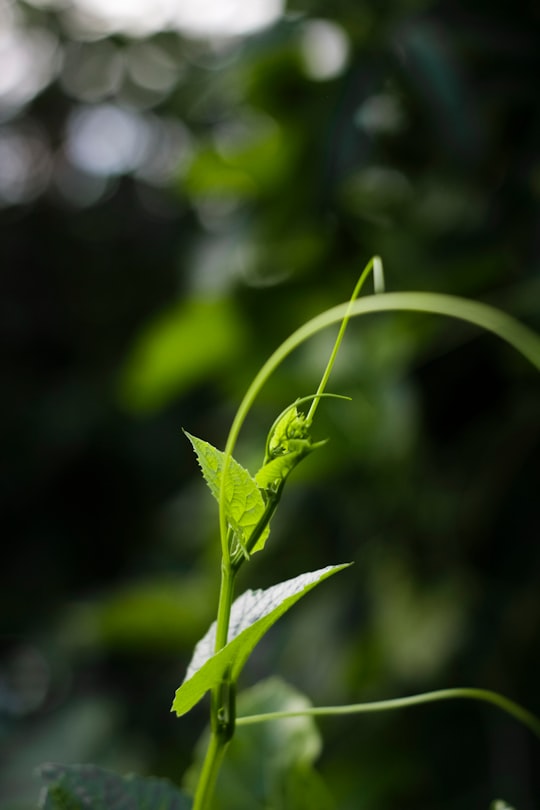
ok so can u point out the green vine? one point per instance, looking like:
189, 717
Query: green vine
247, 504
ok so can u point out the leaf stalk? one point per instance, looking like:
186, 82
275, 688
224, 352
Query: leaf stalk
528, 719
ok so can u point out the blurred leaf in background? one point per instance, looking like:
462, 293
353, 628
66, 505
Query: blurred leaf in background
170, 356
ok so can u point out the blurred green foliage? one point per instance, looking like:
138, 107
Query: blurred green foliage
170, 356
171, 207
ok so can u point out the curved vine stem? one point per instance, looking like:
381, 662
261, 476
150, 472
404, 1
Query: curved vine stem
504, 326
485, 695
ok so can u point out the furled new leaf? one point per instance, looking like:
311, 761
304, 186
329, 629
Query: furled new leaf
290, 425
252, 615
88, 787
244, 502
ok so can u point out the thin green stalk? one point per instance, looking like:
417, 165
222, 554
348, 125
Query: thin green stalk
509, 706
374, 263
378, 275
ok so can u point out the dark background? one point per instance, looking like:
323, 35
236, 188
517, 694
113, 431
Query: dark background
172, 206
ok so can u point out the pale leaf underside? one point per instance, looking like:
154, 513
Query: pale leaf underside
252, 615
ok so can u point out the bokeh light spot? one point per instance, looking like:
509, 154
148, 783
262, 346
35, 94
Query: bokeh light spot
324, 48
106, 139
29, 60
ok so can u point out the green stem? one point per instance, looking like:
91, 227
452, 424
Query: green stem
210, 769
226, 595
509, 706
222, 707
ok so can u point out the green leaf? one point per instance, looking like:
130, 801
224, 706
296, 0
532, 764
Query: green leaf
252, 615
270, 765
244, 502
88, 787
